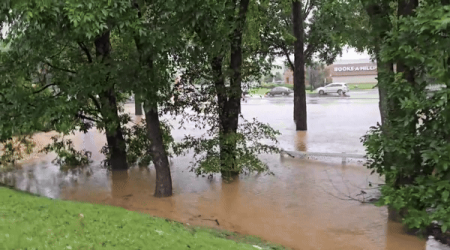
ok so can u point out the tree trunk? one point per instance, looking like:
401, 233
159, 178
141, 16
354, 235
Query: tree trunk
230, 101
114, 135
226, 123
158, 153
137, 105
300, 112
159, 156
406, 8
384, 103
109, 111
381, 25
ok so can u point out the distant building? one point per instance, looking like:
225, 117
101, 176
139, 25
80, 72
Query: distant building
354, 71
348, 71
288, 76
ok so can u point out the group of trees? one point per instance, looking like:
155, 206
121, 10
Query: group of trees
316, 75
273, 77
72, 64
97, 53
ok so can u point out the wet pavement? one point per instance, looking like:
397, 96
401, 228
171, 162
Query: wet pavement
306, 205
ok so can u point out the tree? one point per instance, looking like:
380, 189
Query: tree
316, 75
300, 116
278, 76
307, 29
95, 61
415, 129
268, 78
223, 53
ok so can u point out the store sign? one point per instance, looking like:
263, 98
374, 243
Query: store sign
350, 69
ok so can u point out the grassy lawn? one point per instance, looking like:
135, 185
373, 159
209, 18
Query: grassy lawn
263, 91
32, 222
259, 91
361, 85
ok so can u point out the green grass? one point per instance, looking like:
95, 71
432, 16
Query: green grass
259, 91
32, 222
266, 88
361, 85
263, 91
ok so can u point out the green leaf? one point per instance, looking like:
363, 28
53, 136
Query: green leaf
445, 195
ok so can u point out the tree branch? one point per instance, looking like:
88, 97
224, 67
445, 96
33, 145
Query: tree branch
58, 68
288, 24
309, 51
96, 102
305, 10
286, 53
44, 88
308, 7
86, 51
87, 118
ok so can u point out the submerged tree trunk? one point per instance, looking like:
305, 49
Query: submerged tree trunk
109, 111
227, 125
163, 186
230, 101
114, 134
300, 112
158, 153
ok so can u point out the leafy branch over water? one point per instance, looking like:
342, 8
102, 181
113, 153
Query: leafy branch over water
67, 156
13, 150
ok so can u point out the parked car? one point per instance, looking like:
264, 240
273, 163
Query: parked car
337, 87
280, 91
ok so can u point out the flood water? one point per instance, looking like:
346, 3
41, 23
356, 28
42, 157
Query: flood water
307, 205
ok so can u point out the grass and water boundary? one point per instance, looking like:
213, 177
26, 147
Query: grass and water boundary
28, 221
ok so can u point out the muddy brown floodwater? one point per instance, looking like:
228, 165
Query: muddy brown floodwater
304, 206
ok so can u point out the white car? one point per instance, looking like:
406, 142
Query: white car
337, 87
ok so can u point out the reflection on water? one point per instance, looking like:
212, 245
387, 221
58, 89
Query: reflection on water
300, 141
301, 207
401, 241
304, 206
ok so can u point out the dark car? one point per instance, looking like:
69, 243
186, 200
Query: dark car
280, 91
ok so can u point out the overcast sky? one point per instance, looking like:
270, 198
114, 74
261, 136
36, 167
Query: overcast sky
349, 54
